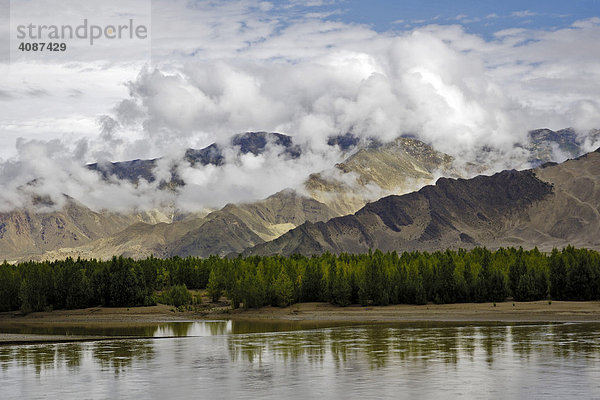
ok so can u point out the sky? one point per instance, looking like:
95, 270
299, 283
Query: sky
461, 76
477, 16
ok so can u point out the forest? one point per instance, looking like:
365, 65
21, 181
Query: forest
376, 278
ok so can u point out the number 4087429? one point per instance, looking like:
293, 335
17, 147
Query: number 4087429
24, 46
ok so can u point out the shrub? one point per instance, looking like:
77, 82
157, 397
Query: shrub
177, 296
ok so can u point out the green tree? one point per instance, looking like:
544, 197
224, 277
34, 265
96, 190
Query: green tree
342, 285
9, 288
215, 286
36, 286
558, 275
284, 289
516, 271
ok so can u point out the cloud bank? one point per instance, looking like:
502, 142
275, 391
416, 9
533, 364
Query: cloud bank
221, 69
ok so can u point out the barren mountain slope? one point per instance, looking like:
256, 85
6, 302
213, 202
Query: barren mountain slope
571, 215
378, 169
237, 227
26, 233
552, 206
231, 229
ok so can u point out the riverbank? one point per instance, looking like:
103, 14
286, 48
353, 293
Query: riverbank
41, 327
536, 311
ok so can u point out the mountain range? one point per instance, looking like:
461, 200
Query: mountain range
346, 208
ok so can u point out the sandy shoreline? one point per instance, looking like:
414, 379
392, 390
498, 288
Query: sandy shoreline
322, 313
539, 312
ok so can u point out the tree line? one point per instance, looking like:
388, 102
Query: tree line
376, 278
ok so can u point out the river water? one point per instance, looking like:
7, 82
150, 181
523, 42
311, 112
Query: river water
233, 360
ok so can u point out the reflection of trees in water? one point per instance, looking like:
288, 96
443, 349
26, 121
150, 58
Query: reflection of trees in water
189, 328
217, 328
6, 356
119, 355
466, 341
285, 346
558, 340
40, 356
314, 350
579, 340
43, 356
375, 346
340, 350
527, 338
424, 345
377, 342
245, 347
243, 327
492, 340
116, 355
250, 351
379, 345
173, 329
382, 344
69, 354
88, 329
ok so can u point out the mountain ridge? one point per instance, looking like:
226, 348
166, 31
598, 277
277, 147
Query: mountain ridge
551, 206
371, 171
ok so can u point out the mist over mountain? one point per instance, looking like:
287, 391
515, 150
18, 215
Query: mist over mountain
363, 176
370, 171
254, 143
546, 145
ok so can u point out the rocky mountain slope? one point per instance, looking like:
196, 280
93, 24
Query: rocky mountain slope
553, 205
25, 233
398, 167
231, 229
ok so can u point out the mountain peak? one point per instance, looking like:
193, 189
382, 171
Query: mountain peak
249, 142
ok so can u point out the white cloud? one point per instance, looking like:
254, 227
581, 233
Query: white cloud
524, 14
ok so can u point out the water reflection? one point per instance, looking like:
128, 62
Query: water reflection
90, 329
380, 344
493, 340
152, 329
69, 354
246, 360
40, 357
376, 345
119, 355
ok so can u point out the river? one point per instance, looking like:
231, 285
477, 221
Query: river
233, 360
